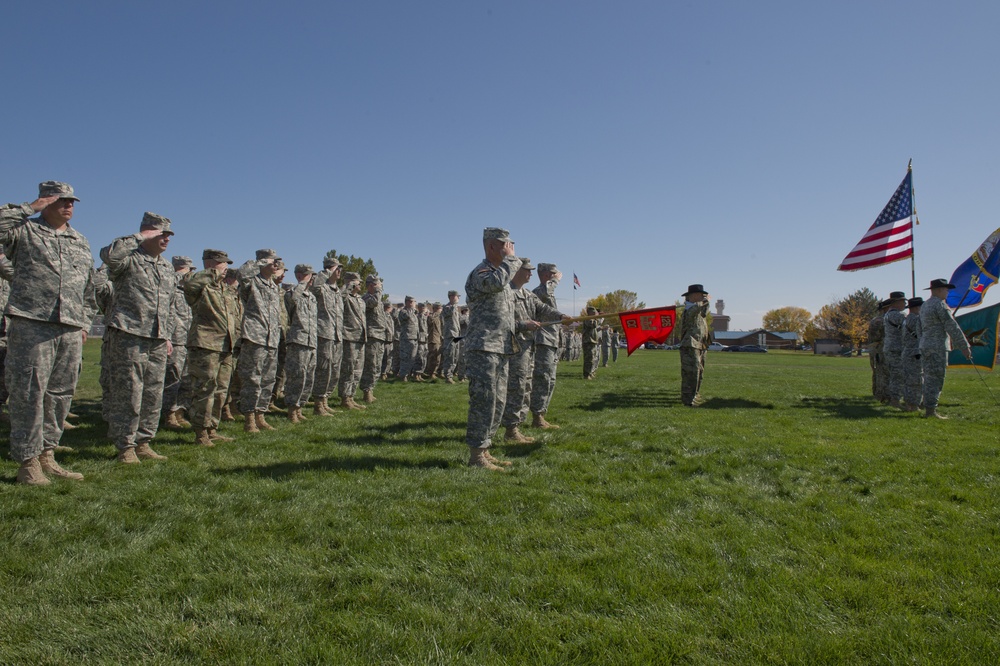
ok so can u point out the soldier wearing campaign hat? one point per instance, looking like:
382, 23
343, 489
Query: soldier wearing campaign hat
913, 376
939, 332
876, 359
140, 327
49, 310
892, 346
489, 342
694, 343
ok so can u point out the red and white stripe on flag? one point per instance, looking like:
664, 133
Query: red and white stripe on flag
882, 244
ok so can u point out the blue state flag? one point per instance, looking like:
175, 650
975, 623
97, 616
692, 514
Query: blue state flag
980, 328
976, 274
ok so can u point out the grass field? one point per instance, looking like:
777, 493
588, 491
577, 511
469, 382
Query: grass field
788, 520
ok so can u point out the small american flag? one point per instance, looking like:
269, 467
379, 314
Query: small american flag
891, 237
576, 281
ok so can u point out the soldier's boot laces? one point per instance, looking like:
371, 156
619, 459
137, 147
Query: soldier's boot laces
30, 473
217, 436
477, 458
262, 424
348, 403
514, 434
538, 421
128, 457
52, 468
489, 456
145, 452
202, 438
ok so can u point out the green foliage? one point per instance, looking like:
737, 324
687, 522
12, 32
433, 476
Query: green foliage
363, 267
788, 520
846, 319
620, 300
787, 319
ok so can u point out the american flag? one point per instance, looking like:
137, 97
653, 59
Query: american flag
891, 237
576, 281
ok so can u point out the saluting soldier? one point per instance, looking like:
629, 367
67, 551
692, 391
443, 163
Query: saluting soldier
939, 331
260, 337
329, 340
694, 343
300, 352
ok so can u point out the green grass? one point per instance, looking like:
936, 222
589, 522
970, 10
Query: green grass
788, 520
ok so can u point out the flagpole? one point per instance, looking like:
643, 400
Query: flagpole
914, 221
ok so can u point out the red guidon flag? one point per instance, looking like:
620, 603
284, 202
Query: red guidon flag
650, 325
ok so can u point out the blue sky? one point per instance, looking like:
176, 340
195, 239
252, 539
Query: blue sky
642, 145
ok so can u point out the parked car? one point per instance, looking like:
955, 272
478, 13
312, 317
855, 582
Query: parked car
733, 348
717, 346
653, 345
754, 348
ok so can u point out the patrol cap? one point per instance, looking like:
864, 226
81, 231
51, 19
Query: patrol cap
939, 283
330, 262
409, 298
215, 255
591, 309
695, 289
53, 188
526, 264
915, 302
372, 279
267, 254
546, 268
351, 276
303, 268
157, 222
496, 233
453, 293
180, 262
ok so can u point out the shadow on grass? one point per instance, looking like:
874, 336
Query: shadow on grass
278, 471
641, 398
844, 408
733, 403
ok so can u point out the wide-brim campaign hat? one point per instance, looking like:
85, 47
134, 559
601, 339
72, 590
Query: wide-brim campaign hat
896, 296
939, 283
915, 302
695, 289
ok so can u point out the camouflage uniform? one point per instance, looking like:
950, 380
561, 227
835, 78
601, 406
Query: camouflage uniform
605, 346
140, 327
378, 333
913, 376
409, 330
892, 352
50, 307
421, 341
329, 342
543, 378
938, 327
880, 375
694, 343
527, 307
301, 351
176, 386
104, 293
450, 329
260, 336
588, 330
615, 340
355, 336
463, 327
6, 275
387, 354
433, 342
488, 344
216, 315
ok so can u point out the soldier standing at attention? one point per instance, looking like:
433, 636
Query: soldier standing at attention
176, 387
389, 347
913, 376
605, 345
434, 341
409, 331
49, 312
543, 377
615, 340
378, 333
300, 353
489, 343
212, 337
694, 342
421, 341
140, 326
329, 344
450, 329
590, 340
355, 336
938, 327
876, 337
892, 346
260, 336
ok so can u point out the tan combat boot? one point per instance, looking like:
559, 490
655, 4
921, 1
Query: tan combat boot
369, 396
146, 453
216, 436
347, 403
293, 414
489, 456
250, 423
514, 434
449, 380
355, 404
538, 421
227, 414
128, 457
52, 468
477, 458
30, 473
171, 422
320, 407
302, 417
932, 413
202, 438
180, 418
261, 423
68, 426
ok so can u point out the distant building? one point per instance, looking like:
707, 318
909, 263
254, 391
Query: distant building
720, 322
761, 337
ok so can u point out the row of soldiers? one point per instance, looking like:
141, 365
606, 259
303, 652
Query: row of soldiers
909, 353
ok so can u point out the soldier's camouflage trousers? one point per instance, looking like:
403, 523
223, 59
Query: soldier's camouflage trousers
518, 385
543, 378
176, 387
209, 376
136, 374
894, 370
692, 371
329, 355
257, 368
374, 351
487, 373
350, 369
300, 370
934, 362
913, 379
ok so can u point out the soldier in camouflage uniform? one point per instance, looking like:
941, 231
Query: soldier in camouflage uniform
49, 312
489, 342
176, 387
260, 336
355, 336
216, 314
279, 371
913, 376
605, 345
450, 329
546, 362
892, 346
433, 341
329, 340
300, 365
527, 308
104, 293
463, 328
140, 328
6, 275
387, 354
938, 327
876, 337
694, 342
588, 329
421, 340
409, 331
379, 333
